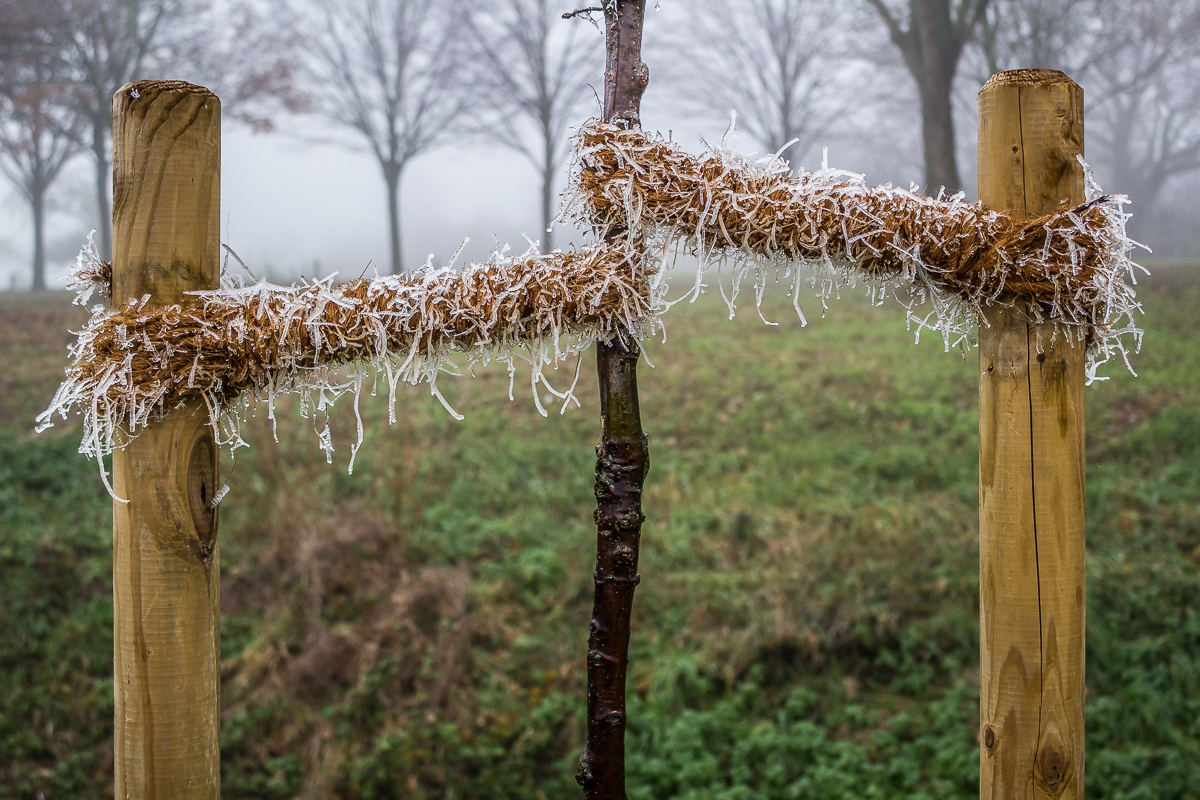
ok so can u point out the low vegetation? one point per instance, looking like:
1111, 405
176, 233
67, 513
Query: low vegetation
807, 622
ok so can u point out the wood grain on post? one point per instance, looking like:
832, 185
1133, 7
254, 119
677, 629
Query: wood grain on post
1031, 468
166, 575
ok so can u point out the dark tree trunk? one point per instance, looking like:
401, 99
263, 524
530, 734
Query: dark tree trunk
391, 175
939, 48
37, 202
622, 459
937, 133
103, 195
932, 47
548, 193
621, 464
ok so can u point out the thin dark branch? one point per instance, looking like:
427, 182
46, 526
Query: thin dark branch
581, 11
896, 32
623, 457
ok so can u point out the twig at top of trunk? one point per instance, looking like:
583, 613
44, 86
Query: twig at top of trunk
581, 11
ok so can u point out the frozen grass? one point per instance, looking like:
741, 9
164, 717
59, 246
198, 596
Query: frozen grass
807, 616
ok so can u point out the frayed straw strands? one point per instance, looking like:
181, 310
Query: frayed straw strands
1070, 266
131, 366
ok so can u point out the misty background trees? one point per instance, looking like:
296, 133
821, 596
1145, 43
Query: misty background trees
39, 129
61, 61
481, 96
773, 61
390, 71
532, 69
931, 36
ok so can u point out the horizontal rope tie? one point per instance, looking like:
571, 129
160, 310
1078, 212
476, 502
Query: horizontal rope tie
826, 228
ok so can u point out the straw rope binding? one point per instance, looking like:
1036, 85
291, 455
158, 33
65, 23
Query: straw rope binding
828, 229
1070, 267
131, 366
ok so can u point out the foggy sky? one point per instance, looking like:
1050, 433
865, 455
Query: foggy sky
291, 206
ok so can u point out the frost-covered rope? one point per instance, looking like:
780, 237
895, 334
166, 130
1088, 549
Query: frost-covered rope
1072, 267
827, 228
319, 340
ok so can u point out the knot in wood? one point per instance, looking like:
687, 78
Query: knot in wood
613, 718
200, 550
642, 78
989, 738
618, 520
201, 491
1054, 769
583, 775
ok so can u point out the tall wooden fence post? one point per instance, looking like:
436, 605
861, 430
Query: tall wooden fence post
1031, 468
166, 574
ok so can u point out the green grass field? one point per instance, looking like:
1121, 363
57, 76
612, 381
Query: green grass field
807, 622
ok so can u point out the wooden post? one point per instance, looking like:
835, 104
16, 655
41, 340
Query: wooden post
1031, 468
166, 574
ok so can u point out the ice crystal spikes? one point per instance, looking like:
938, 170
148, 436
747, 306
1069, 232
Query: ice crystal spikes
242, 343
1070, 268
827, 229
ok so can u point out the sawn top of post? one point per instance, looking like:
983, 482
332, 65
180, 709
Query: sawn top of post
150, 87
1026, 77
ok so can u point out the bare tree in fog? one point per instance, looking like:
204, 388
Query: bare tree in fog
37, 121
107, 43
391, 72
1138, 61
775, 62
533, 69
239, 51
931, 36
1146, 111
1051, 34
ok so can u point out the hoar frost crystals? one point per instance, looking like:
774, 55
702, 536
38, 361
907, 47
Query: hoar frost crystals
830, 229
826, 229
